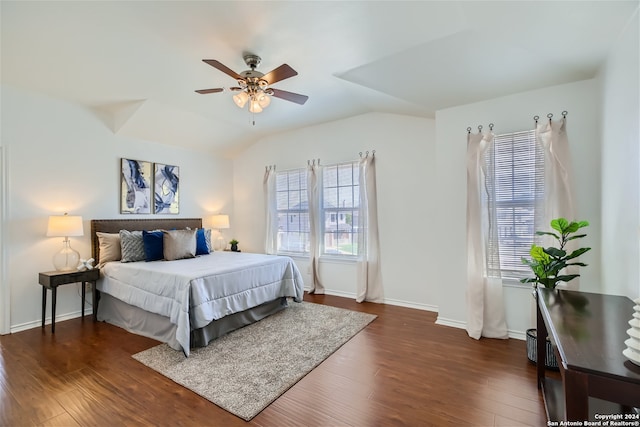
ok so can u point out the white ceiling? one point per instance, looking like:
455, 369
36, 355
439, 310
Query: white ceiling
136, 64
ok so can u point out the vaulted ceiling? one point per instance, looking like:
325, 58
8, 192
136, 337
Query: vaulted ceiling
136, 64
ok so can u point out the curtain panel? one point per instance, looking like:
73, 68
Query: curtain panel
271, 210
484, 296
552, 136
558, 185
369, 286
314, 178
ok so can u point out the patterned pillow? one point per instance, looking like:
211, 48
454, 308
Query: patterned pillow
108, 247
132, 246
179, 244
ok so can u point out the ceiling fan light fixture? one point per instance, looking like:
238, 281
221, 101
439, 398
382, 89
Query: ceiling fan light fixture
241, 99
254, 86
254, 105
264, 100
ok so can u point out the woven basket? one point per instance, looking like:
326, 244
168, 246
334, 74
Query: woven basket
532, 350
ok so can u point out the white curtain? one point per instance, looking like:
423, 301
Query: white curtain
314, 178
485, 301
369, 287
558, 186
552, 136
271, 210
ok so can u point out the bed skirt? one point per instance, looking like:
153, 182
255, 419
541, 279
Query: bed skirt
155, 326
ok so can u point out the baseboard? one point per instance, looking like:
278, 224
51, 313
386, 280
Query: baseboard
417, 306
518, 335
47, 321
442, 321
407, 304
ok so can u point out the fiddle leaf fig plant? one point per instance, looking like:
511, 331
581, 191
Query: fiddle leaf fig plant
547, 263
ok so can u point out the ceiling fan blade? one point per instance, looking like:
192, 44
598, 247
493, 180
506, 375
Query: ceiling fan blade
290, 96
223, 68
280, 73
216, 90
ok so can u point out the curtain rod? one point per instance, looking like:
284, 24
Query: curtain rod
364, 154
480, 128
536, 118
550, 116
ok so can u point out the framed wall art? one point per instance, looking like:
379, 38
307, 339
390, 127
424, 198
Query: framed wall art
135, 187
166, 189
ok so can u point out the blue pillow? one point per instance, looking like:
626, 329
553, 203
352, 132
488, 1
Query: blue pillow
201, 242
153, 246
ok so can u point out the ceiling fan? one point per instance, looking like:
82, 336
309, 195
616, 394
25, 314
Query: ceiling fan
254, 87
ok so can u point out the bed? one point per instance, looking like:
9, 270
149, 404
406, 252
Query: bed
188, 302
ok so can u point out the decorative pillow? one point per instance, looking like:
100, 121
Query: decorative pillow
132, 246
203, 244
108, 247
153, 245
179, 244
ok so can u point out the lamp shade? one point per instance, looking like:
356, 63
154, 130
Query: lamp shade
220, 222
65, 226
241, 99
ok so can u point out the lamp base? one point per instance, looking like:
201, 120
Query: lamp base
67, 259
220, 243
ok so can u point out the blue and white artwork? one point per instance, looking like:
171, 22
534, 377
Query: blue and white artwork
166, 189
135, 197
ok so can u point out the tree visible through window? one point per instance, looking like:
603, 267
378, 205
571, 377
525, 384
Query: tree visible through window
518, 165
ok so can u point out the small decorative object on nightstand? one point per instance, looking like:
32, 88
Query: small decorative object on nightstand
234, 245
53, 279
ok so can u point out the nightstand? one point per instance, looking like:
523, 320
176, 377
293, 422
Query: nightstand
53, 279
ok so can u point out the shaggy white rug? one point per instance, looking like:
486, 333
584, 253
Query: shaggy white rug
246, 370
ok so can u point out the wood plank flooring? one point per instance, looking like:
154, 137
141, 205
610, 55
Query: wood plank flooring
402, 370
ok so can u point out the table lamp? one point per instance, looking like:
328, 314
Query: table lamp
220, 222
64, 226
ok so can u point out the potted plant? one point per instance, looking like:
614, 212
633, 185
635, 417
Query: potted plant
547, 264
234, 245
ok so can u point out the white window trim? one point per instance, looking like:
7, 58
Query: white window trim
508, 278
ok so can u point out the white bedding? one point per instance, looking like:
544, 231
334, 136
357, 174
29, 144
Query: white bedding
193, 292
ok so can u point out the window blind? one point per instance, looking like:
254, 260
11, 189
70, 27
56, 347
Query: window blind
516, 165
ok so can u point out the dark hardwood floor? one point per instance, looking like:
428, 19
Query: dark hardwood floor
400, 370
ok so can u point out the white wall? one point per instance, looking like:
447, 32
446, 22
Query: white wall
510, 114
62, 158
621, 166
405, 160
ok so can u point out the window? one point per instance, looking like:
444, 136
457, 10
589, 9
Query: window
293, 212
339, 190
518, 164
340, 203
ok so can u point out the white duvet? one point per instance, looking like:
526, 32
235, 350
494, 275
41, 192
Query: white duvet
193, 292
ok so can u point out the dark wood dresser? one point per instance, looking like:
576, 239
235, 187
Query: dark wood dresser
588, 332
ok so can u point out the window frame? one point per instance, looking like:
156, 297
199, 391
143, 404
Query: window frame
510, 269
322, 213
302, 178
339, 211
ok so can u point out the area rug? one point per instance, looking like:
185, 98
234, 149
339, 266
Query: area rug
245, 370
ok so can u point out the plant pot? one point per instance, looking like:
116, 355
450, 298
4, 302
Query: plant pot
532, 350
234, 248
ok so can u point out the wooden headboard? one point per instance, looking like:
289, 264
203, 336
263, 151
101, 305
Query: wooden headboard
115, 225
